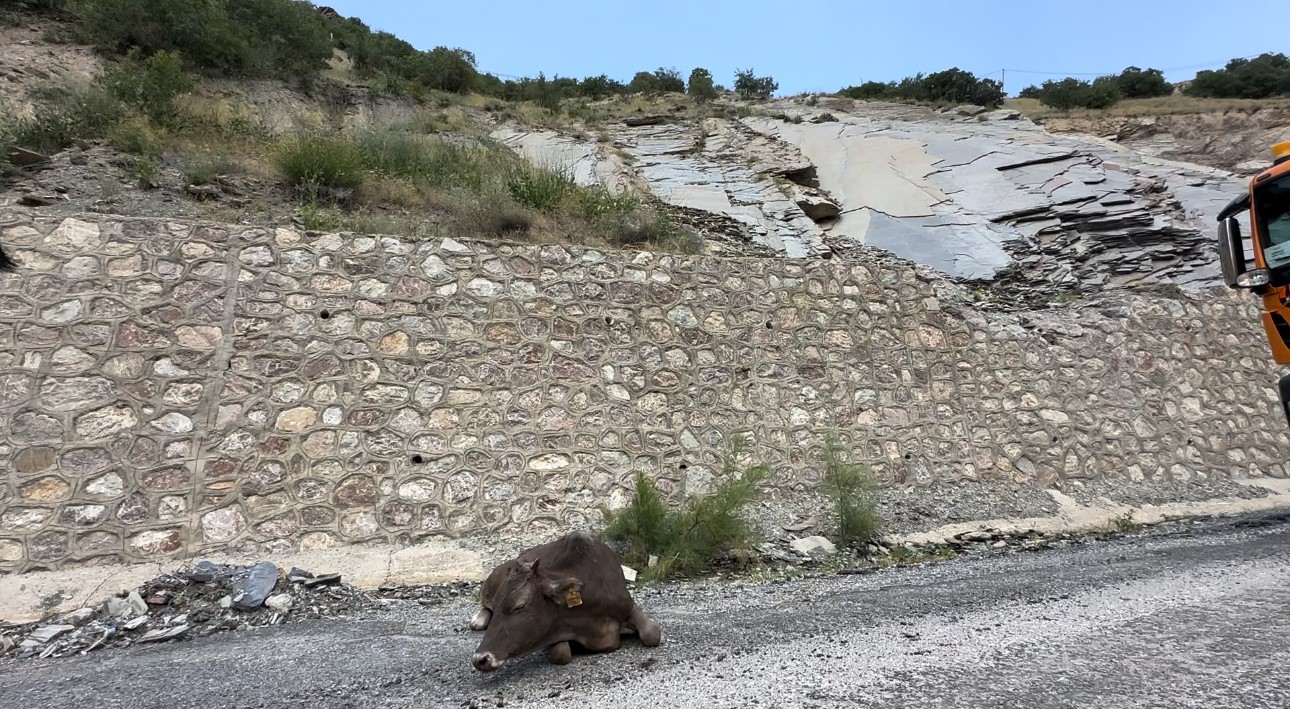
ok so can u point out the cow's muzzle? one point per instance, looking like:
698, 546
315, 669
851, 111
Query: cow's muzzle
485, 661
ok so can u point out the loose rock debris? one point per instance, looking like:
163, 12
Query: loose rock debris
211, 598
206, 599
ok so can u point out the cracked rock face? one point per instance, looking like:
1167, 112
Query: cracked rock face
975, 194
1004, 200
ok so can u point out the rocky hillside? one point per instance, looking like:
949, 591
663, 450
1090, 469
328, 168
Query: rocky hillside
1235, 138
983, 196
1030, 212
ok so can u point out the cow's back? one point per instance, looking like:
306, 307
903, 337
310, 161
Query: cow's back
604, 590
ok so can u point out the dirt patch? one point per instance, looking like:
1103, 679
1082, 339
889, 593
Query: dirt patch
28, 60
1236, 140
95, 178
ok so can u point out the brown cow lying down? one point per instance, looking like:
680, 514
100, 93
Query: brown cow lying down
570, 590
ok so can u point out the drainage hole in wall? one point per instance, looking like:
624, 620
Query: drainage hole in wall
683, 466
417, 460
767, 324
325, 315
908, 456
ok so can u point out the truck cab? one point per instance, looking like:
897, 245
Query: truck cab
1266, 271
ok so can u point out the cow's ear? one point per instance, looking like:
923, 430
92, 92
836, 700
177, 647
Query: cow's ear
565, 592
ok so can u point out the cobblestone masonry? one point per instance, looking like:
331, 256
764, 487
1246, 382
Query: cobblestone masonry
169, 390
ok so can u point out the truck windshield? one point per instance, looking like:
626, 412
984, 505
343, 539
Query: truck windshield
1272, 212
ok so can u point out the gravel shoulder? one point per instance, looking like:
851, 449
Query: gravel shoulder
1188, 617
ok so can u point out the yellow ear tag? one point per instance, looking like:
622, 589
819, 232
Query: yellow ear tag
572, 598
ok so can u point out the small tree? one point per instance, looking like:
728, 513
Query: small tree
870, 90
750, 86
597, 87
150, 85
1031, 91
688, 538
669, 81
1261, 77
546, 93
852, 489
1072, 93
1139, 83
644, 82
1104, 92
701, 87
450, 70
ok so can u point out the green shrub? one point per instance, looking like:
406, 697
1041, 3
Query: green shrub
871, 90
950, 86
13, 12
688, 539
205, 172
312, 162
64, 113
656, 229
435, 162
316, 218
701, 87
750, 86
492, 216
601, 204
597, 87
539, 188
852, 489
148, 172
1264, 76
644, 82
669, 80
136, 136
381, 54
151, 85
1139, 83
7, 144
241, 38
285, 38
1070, 93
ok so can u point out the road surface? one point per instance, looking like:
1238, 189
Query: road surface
1199, 618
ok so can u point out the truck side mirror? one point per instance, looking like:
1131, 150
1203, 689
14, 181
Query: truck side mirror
1231, 253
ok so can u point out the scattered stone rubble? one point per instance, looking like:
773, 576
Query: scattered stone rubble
206, 599
211, 598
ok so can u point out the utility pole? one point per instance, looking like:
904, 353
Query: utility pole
1003, 82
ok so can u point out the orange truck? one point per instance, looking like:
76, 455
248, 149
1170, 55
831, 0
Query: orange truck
1268, 204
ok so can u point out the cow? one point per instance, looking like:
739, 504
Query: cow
6, 263
568, 591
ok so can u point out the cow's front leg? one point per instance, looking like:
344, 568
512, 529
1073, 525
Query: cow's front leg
651, 634
604, 636
560, 653
481, 619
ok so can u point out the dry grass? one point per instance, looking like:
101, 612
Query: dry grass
1160, 106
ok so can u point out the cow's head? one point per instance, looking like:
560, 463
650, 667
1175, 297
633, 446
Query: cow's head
526, 614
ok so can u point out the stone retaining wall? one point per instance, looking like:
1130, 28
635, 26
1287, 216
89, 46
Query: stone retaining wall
169, 390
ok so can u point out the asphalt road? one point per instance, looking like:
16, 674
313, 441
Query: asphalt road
1193, 619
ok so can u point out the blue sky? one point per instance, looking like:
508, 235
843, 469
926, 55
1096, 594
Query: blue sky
823, 45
